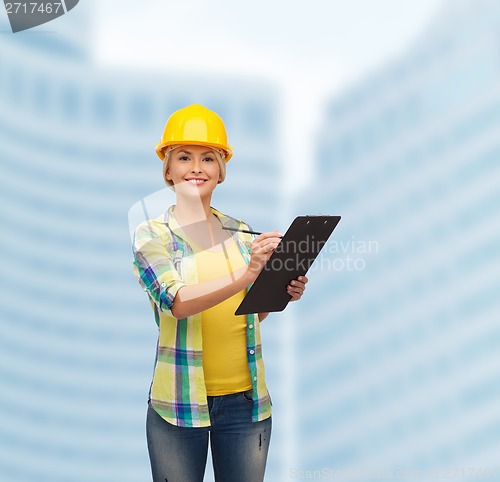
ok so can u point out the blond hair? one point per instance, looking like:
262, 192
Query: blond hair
219, 156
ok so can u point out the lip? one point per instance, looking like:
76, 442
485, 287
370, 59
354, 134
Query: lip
196, 181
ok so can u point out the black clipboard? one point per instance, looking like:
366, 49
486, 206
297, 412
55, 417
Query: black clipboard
292, 258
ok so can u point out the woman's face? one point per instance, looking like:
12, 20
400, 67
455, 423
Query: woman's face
194, 167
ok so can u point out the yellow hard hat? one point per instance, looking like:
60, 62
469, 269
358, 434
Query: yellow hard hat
194, 125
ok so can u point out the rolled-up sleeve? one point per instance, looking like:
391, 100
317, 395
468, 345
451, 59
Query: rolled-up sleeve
154, 268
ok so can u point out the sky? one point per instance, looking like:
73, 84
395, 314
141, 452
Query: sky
312, 50
326, 41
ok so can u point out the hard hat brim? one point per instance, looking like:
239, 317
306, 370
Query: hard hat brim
160, 148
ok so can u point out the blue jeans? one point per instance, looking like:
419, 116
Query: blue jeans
239, 446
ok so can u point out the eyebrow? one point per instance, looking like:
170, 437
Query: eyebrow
203, 153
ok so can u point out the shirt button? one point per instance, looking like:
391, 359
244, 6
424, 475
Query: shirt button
250, 326
255, 379
252, 352
163, 285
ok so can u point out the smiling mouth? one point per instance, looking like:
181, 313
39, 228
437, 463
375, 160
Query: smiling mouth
196, 181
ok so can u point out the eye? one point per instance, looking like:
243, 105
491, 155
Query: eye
183, 158
208, 159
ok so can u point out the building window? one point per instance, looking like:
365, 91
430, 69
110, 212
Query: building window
70, 102
141, 111
15, 87
257, 120
41, 96
103, 107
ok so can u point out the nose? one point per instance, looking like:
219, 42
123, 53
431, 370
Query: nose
196, 166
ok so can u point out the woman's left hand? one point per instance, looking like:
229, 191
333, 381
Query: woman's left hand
296, 288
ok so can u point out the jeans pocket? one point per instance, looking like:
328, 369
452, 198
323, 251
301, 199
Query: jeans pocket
248, 396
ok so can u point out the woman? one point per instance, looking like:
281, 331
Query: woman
209, 373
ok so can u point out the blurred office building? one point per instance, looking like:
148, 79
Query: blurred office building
398, 343
78, 336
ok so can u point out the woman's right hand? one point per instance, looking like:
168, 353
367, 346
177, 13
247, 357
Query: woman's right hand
263, 247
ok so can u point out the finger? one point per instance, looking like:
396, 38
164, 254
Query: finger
295, 290
272, 246
295, 296
298, 284
267, 245
268, 239
268, 234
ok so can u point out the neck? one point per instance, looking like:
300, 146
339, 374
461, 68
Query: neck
189, 210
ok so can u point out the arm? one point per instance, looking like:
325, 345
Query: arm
191, 299
154, 268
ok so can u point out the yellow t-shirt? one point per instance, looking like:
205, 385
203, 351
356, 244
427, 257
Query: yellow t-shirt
225, 363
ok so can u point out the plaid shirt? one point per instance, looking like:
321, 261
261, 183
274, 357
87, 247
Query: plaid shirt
164, 262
